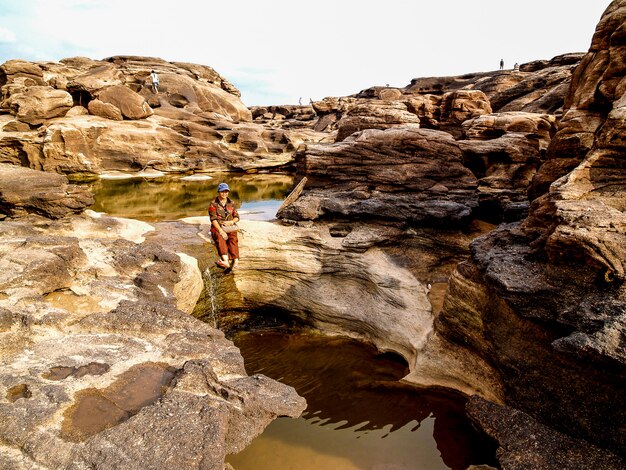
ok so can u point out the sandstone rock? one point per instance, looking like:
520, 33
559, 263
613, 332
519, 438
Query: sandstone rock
504, 168
372, 114
22, 149
331, 284
37, 104
526, 443
413, 176
588, 102
461, 105
105, 371
26, 191
15, 126
104, 110
77, 111
546, 296
95, 79
131, 105
427, 108
16, 67
490, 126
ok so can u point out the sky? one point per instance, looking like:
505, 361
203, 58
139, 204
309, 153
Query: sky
281, 51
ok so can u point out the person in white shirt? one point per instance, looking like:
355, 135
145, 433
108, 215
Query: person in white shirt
155, 82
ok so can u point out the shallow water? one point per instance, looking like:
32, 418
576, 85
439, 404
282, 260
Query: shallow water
358, 415
174, 197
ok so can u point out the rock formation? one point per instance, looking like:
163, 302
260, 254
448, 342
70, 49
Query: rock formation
103, 366
540, 304
530, 316
196, 123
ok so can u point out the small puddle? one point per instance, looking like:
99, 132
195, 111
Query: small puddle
358, 415
97, 409
17, 392
73, 303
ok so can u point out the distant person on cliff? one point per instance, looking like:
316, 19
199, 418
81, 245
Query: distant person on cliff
154, 78
516, 67
224, 218
501, 64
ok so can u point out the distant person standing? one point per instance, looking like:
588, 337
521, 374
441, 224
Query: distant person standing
154, 78
501, 64
516, 67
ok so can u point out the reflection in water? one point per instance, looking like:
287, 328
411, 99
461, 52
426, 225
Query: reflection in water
358, 416
171, 198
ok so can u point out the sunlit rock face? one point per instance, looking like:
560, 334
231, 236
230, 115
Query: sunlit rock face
101, 363
86, 116
543, 300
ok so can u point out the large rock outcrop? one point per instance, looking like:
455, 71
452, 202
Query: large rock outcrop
99, 116
543, 300
102, 367
24, 191
400, 174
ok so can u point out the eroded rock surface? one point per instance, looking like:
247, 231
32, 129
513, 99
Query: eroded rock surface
400, 174
543, 300
24, 191
196, 122
101, 367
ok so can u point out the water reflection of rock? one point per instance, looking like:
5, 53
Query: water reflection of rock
174, 198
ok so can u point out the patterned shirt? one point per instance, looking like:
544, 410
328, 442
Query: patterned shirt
222, 213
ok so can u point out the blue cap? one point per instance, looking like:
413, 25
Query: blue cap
222, 187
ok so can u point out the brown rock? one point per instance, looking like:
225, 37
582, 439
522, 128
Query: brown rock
95, 79
402, 174
490, 126
131, 105
26, 191
34, 105
427, 108
104, 110
374, 114
461, 105
160, 373
77, 111
15, 126
526, 443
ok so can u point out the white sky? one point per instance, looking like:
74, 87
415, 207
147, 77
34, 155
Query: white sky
276, 51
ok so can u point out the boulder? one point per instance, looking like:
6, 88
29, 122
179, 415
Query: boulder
490, 126
104, 110
130, 104
95, 79
461, 105
374, 114
34, 105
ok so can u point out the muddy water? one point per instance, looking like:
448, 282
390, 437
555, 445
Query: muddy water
171, 198
358, 415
